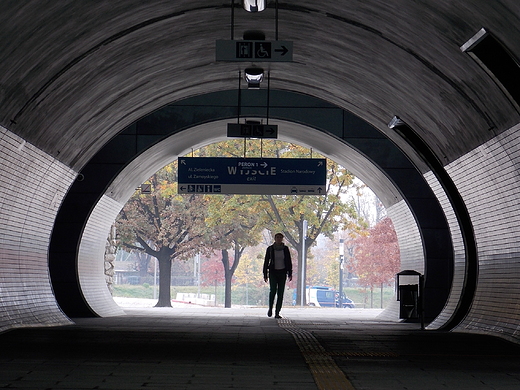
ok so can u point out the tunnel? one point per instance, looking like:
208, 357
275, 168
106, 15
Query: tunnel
420, 100
170, 132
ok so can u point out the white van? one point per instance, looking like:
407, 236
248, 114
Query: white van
321, 296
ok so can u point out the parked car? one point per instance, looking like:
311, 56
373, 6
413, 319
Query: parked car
322, 296
346, 301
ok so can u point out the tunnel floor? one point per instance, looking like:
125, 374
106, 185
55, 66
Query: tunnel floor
241, 348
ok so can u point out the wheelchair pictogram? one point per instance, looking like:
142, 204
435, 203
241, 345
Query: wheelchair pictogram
263, 50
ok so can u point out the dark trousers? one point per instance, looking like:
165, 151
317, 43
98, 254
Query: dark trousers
277, 286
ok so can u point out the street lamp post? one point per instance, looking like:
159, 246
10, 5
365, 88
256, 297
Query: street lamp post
302, 272
341, 259
197, 262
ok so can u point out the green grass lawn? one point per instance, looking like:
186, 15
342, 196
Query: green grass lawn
256, 296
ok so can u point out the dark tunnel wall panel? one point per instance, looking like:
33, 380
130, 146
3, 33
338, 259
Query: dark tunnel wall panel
382, 151
317, 117
172, 118
32, 184
70, 223
357, 128
409, 181
256, 98
95, 178
117, 151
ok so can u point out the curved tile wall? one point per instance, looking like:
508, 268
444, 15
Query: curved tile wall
489, 181
91, 252
459, 260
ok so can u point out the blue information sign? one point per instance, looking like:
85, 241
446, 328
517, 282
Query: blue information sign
221, 175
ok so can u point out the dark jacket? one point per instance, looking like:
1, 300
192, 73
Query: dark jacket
269, 260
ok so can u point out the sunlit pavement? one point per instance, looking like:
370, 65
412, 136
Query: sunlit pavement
196, 347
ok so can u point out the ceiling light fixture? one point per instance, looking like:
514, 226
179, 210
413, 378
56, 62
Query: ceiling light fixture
396, 122
254, 5
253, 77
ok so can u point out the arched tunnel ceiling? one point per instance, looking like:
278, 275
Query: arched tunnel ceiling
74, 74
181, 143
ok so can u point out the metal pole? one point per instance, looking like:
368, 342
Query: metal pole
341, 257
382, 286
198, 275
268, 93
247, 287
276, 18
239, 103
232, 19
155, 279
215, 288
421, 300
302, 273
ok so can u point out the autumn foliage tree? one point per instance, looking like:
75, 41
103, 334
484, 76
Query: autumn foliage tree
211, 271
232, 227
376, 255
324, 214
170, 226
164, 225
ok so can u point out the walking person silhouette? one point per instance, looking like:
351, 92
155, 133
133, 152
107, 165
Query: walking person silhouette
277, 268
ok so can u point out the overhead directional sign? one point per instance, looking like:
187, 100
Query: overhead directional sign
252, 130
269, 176
259, 51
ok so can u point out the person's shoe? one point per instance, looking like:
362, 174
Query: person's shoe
270, 313
277, 315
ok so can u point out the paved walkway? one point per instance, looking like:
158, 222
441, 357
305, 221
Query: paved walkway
190, 347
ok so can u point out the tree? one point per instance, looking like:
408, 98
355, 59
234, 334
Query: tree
249, 270
171, 226
324, 214
367, 205
231, 226
143, 264
376, 255
164, 225
211, 272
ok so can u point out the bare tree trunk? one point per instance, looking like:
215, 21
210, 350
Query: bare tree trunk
165, 280
227, 275
144, 261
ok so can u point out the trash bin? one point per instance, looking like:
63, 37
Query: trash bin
410, 296
409, 301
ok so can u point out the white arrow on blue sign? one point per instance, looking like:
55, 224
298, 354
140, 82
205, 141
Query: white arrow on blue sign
271, 176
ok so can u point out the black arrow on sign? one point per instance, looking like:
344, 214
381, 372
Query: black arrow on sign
283, 50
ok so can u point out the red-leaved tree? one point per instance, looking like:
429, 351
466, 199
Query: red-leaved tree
376, 255
211, 271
